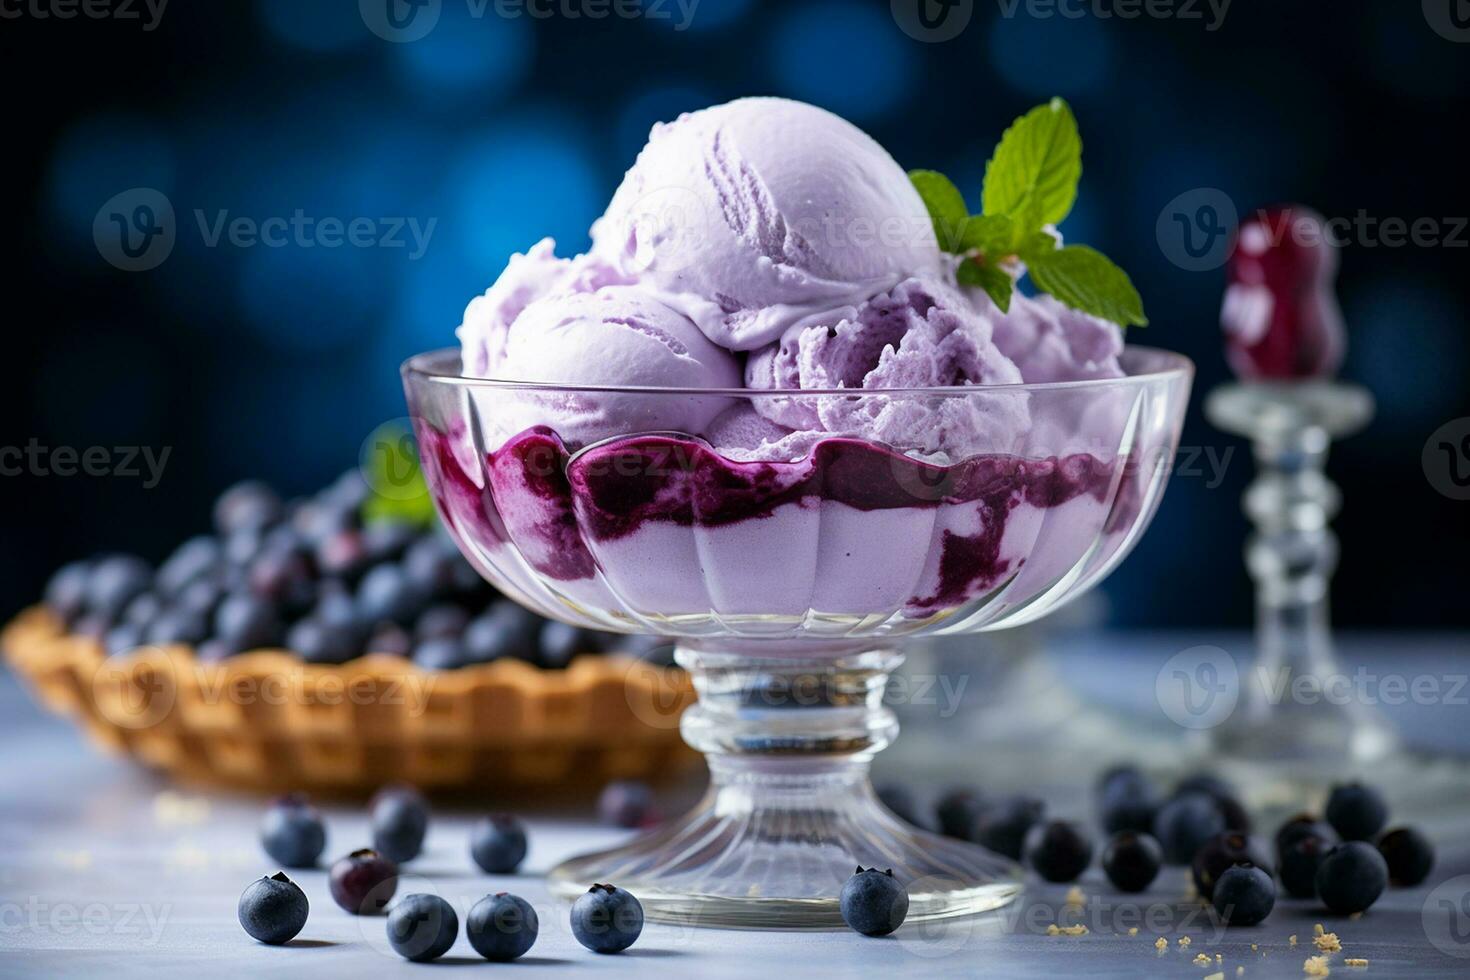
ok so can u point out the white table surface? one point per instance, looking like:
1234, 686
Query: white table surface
106, 871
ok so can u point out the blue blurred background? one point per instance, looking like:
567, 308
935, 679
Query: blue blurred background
499, 127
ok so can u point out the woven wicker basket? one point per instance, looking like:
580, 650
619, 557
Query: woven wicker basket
267, 720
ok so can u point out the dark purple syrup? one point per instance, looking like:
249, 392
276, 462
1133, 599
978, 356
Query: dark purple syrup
541, 494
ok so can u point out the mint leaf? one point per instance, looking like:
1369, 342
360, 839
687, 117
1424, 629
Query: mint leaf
1037, 244
992, 234
1037, 166
1086, 280
946, 206
997, 283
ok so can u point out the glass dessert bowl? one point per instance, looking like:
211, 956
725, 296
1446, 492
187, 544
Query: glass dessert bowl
789, 575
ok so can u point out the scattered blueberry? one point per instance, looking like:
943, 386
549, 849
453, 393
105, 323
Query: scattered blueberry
185, 626
1225, 796
873, 902
607, 919
899, 800
1002, 826
430, 566
1299, 826
1126, 800
1300, 861
246, 622
1132, 861
143, 610
387, 541
363, 882
1185, 824
385, 594
1351, 877
400, 818
292, 832
422, 927
502, 927
1223, 852
122, 639
1244, 895
342, 555
283, 576
1058, 851
390, 639
1409, 855
273, 910
1356, 812
626, 803
956, 810
559, 643
441, 622
319, 642
498, 844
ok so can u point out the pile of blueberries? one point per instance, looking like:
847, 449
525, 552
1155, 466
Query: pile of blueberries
1343, 858
313, 576
423, 927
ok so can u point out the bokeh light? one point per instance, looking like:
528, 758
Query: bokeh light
849, 58
97, 158
1045, 56
468, 54
314, 27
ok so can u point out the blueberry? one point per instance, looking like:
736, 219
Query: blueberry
502, 927
1409, 855
956, 810
445, 653
387, 541
66, 592
430, 567
122, 639
186, 626
400, 818
873, 902
1132, 860
386, 595
1299, 862
1185, 824
334, 605
1244, 895
292, 832
317, 642
504, 630
246, 622
342, 554
498, 844
284, 576
202, 596
626, 803
1351, 877
1126, 800
559, 643
143, 610
607, 919
247, 506
1299, 826
899, 800
442, 621
363, 882
1356, 812
116, 581
191, 561
389, 639
1222, 852
273, 910
422, 927
1058, 851
1002, 825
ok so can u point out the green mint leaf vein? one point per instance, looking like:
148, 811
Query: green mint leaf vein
1036, 167
945, 204
1086, 280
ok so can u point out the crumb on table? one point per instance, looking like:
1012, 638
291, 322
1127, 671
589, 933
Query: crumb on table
1316, 966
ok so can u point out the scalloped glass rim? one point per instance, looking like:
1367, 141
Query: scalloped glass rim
1145, 365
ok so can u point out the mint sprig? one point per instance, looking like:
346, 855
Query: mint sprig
1030, 183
